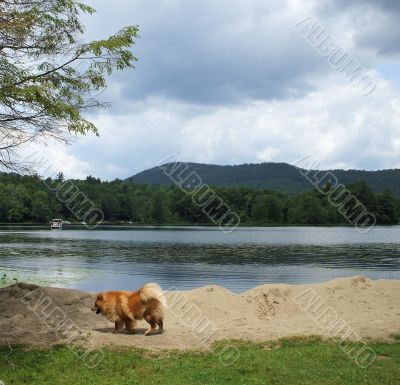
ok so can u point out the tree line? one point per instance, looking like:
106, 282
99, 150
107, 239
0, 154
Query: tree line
28, 199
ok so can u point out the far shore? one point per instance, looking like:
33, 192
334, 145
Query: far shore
79, 225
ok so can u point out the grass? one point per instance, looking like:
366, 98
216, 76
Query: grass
287, 362
6, 280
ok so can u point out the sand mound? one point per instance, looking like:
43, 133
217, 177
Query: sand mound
42, 316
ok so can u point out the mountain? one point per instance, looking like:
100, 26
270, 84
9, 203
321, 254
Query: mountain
275, 176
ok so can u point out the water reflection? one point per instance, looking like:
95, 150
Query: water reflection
188, 258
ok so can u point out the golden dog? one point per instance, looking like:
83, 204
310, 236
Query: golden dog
125, 307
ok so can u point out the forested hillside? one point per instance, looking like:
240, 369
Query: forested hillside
275, 176
29, 199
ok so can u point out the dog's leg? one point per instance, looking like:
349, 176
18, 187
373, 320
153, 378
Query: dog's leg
160, 325
131, 326
153, 323
118, 326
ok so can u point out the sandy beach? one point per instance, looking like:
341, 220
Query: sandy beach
362, 308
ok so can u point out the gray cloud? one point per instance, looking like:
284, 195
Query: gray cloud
232, 82
222, 52
210, 52
374, 22
385, 5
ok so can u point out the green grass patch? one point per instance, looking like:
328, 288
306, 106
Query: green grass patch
6, 280
395, 336
297, 361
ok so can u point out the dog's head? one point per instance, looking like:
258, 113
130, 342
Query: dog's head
98, 305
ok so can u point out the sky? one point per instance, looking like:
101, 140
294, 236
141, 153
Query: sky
226, 82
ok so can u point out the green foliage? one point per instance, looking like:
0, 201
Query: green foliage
387, 208
301, 362
40, 207
267, 208
48, 75
6, 280
27, 199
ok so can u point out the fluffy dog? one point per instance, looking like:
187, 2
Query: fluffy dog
125, 307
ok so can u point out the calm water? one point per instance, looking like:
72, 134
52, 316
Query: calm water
190, 257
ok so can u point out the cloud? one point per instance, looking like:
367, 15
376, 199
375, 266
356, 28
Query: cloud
334, 124
48, 160
385, 5
232, 82
213, 52
267, 154
373, 24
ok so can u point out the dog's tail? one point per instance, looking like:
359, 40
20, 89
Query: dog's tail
152, 291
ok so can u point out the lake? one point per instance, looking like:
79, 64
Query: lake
189, 257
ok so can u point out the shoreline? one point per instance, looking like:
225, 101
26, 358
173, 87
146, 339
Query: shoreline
369, 308
80, 226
